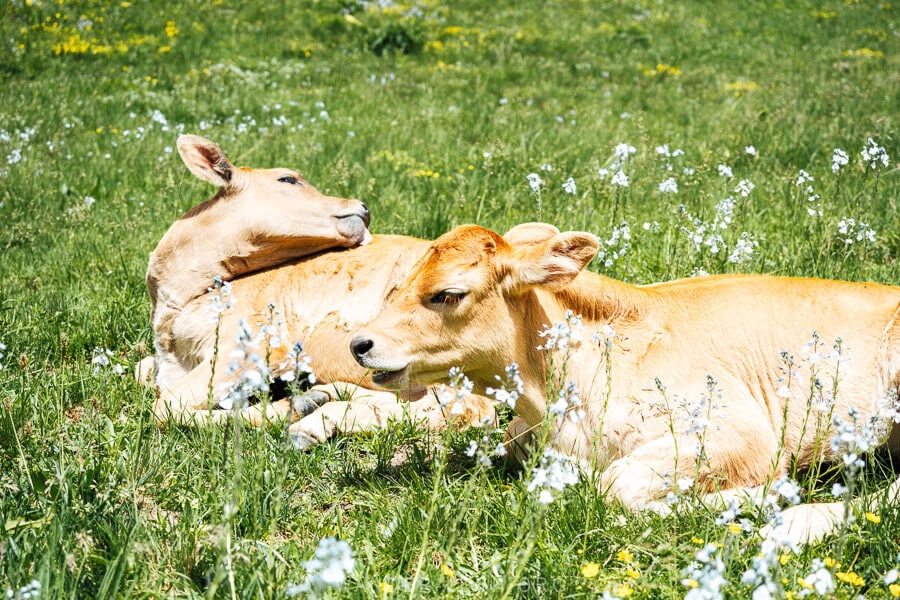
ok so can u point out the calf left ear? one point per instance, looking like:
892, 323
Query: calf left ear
553, 263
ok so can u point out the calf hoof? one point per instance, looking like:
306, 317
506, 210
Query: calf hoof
307, 403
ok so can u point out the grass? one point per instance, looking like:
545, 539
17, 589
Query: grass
434, 121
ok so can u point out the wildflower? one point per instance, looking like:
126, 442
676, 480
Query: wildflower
616, 246
725, 171
510, 389
447, 570
28, 591
602, 174
750, 150
851, 578
332, 561
839, 159
569, 186
669, 186
873, 154
622, 151
454, 393
385, 588
743, 249
620, 179
838, 490
744, 187
14, 156
705, 576
297, 364
568, 403
590, 570
221, 301
803, 177
873, 518
563, 333
819, 580
891, 577
555, 473
624, 591
624, 556
250, 370
101, 361
632, 573
535, 181
851, 231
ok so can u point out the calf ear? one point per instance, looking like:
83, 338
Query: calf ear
205, 159
552, 263
529, 234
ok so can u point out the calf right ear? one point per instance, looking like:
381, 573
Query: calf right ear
553, 263
205, 159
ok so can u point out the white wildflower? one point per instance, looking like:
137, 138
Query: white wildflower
510, 389
743, 249
328, 568
750, 150
602, 174
535, 181
620, 179
669, 186
819, 581
725, 171
873, 154
744, 187
454, 393
803, 177
851, 231
705, 576
622, 151
555, 473
838, 160
562, 334
569, 186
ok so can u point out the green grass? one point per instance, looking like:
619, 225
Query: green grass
97, 501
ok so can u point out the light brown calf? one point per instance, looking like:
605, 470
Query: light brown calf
733, 350
260, 219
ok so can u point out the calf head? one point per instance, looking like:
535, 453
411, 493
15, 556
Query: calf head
270, 215
469, 302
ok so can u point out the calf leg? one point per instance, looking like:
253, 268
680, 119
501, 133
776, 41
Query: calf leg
366, 410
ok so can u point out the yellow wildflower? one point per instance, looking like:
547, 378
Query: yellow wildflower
894, 589
734, 528
828, 561
850, 577
590, 570
698, 541
171, 29
873, 518
784, 558
633, 573
624, 591
164, 49
625, 556
385, 588
864, 53
447, 570
691, 583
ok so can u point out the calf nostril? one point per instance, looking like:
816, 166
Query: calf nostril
360, 346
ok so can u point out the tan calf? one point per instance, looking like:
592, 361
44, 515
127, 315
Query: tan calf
262, 218
737, 351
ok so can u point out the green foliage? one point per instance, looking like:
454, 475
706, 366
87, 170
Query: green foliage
433, 113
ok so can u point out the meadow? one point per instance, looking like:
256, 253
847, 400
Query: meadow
691, 138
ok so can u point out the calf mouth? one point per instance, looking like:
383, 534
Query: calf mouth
355, 228
391, 378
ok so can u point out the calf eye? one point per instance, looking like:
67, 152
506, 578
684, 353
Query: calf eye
448, 298
290, 179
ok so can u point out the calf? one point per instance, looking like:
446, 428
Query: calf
248, 234
725, 348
